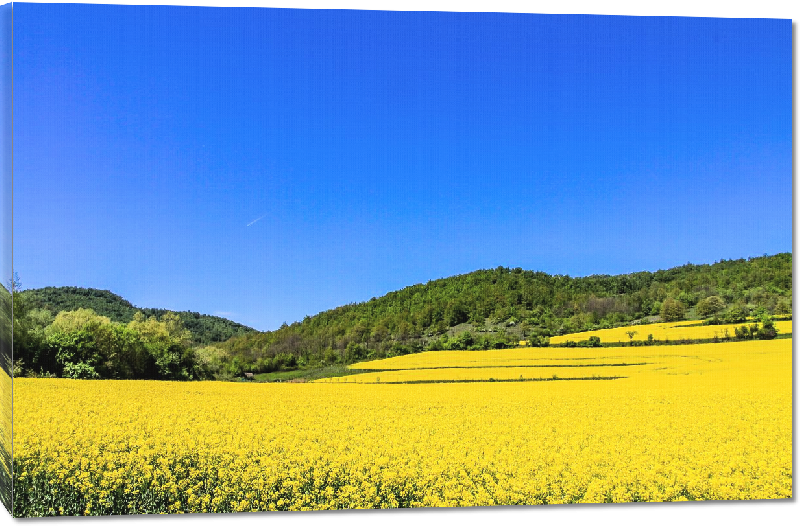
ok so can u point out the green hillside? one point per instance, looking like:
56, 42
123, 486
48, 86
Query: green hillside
204, 328
499, 307
485, 309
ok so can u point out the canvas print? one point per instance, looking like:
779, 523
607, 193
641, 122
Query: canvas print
267, 259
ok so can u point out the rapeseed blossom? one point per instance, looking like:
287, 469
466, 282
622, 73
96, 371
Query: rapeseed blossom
674, 331
699, 422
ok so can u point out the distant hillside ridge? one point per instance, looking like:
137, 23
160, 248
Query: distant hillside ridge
498, 307
205, 328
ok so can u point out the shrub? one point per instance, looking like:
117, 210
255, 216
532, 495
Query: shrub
742, 332
736, 314
285, 361
767, 331
435, 345
17, 368
466, 339
783, 307
330, 357
398, 349
80, 371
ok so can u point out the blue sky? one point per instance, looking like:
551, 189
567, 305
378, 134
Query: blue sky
368, 151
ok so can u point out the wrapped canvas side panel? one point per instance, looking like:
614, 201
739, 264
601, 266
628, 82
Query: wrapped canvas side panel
6, 308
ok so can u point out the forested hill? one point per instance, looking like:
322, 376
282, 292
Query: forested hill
54, 334
515, 303
204, 328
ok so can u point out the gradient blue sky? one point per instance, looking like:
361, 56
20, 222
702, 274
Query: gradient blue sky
368, 151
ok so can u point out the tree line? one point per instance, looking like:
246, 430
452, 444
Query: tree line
498, 307
84, 345
203, 327
486, 309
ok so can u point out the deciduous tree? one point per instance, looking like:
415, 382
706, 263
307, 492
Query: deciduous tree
672, 310
709, 306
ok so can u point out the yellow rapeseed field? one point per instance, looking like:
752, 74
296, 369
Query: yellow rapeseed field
665, 331
664, 359
5, 437
528, 356
697, 422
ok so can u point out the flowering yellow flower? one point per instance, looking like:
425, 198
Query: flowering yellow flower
675, 331
695, 422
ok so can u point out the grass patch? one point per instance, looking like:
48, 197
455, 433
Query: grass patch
329, 371
279, 376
